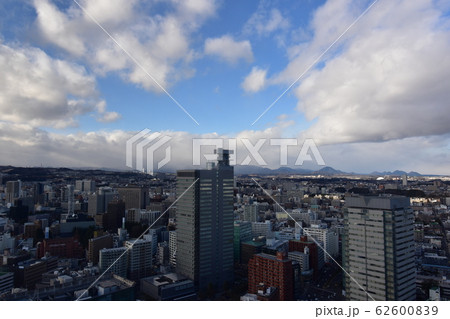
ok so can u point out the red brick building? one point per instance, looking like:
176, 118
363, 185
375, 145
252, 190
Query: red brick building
67, 247
266, 271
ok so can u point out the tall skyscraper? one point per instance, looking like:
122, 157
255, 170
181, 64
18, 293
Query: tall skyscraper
12, 191
70, 200
205, 223
378, 248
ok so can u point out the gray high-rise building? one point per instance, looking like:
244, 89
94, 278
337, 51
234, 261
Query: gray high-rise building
12, 191
133, 196
205, 223
378, 248
98, 201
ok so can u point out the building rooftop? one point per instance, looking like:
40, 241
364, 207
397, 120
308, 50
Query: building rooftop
165, 279
254, 243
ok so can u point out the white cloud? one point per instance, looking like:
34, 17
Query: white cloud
59, 28
255, 80
266, 21
109, 117
29, 146
42, 91
160, 43
228, 49
382, 81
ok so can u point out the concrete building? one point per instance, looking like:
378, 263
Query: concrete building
242, 232
133, 196
329, 238
316, 255
173, 248
262, 229
205, 223
87, 186
302, 258
70, 200
168, 287
12, 191
251, 212
378, 248
139, 258
108, 257
98, 201
6, 281
96, 244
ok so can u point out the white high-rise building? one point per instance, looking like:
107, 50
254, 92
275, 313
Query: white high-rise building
328, 236
173, 248
262, 229
117, 258
139, 258
70, 200
251, 212
378, 248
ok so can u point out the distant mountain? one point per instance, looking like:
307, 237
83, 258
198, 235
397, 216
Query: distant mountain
327, 170
258, 170
396, 173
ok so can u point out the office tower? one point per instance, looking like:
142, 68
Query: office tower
251, 212
163, 253
329, 238
98, 201
378, 248
133, 196
38, 191
122, 234
316, 255
152, 236
405, 180
112, 219
86, 185
173, 247
79, 185
265, 271
205, 223
18, 212
139, 258
70, 200
117, 258
96, 244
12, 191
242, 232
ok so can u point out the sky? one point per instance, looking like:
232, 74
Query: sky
367, 81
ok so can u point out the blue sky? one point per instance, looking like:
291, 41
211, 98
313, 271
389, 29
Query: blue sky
374, 101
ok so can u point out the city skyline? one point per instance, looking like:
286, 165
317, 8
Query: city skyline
372, 97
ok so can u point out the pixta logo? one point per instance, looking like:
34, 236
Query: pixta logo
144, 145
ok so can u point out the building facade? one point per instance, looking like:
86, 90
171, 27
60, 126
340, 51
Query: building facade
205, 224
378, 248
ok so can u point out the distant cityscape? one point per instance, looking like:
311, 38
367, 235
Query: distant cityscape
215, 234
